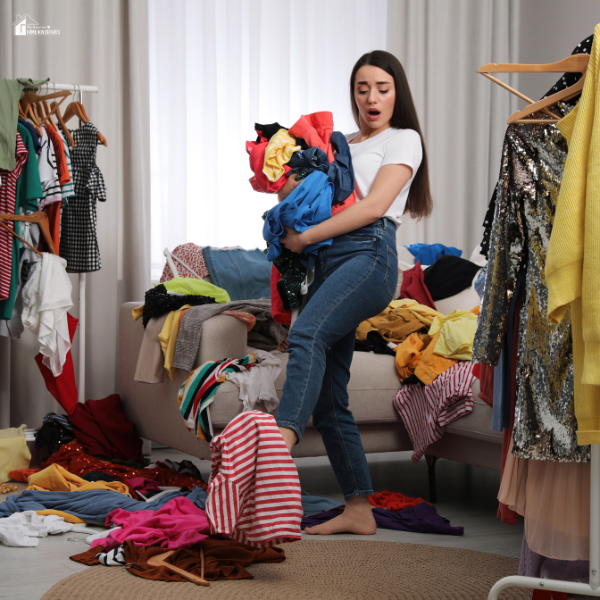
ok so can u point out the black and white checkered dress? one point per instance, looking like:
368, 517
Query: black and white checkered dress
78, 241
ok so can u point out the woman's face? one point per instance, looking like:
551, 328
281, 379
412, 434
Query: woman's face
375, 96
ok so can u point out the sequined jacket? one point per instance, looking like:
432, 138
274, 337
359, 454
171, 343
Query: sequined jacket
526, 193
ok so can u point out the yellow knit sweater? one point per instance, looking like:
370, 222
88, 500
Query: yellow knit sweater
573, 259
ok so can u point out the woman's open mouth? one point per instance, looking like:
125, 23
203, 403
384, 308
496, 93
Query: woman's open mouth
373, 114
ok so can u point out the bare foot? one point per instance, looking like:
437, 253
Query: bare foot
357, 518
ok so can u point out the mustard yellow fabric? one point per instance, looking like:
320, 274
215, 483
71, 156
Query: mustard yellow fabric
457, 332
137, 312
69, 518
415, 355
278, 152
57, 479
398, 321
573, 258
168, 339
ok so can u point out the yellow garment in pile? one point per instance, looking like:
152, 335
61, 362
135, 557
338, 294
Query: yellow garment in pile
278, 152
68, 517
573, 258
399, 320
415, 355
57, 479
168, 338
457, 332
196, 287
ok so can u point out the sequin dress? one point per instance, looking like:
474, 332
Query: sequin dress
533, 158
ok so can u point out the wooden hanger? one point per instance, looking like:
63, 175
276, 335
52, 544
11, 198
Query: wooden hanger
76, 109
32, 99
63, 126
13, 232
39, 217
576, 63
159, 561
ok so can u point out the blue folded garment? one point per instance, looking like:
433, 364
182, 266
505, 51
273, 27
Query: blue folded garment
429, 253
92, 506
316, 504
308, 205
340, 172
244, 274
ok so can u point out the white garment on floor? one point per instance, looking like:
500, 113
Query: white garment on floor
21, 529
45, 310
258, 383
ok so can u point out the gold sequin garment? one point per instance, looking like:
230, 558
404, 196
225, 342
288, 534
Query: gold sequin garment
533, 158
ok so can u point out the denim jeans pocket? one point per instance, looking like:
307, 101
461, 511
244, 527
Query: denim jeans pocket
391, 272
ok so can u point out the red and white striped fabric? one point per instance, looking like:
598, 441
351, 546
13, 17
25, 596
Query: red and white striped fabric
253, 490
426, 410
7, 205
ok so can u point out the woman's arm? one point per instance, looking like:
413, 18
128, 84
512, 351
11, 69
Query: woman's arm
389, 182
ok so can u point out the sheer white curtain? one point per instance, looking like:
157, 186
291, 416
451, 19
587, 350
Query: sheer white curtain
219, 66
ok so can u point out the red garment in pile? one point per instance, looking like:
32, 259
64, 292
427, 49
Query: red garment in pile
280, 314
393, 501
259, 181
102, 428
74, 459
63, 387
253, 490
414, 288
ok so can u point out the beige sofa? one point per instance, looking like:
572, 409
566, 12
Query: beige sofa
373, 383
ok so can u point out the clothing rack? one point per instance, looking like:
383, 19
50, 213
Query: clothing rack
77, 89
569, 587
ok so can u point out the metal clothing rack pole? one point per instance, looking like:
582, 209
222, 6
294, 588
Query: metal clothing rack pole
79, 89
569, 587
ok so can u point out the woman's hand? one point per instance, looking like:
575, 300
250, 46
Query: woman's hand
294, 241
289, 186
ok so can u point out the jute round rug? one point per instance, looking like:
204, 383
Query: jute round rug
321, 570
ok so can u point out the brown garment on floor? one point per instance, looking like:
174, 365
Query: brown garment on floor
223, 559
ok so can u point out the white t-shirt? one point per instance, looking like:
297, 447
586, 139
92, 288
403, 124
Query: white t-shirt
390, 147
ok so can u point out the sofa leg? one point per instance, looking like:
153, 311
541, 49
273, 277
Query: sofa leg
431, 460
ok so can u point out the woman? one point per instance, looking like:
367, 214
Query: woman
355, 277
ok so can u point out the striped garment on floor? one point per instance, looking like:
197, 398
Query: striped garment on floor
112, 558
253, 490
197, 392
427, 410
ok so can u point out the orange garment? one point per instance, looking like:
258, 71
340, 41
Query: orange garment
53, 211
394, 324
315, 129
68, 517
59, 151
21, 474
415, 356
393, 501
55, 478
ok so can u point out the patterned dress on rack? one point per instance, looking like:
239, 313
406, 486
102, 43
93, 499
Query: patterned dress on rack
7, 205
78, 240
545, 426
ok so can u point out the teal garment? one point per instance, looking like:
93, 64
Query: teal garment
11, 91
29, 189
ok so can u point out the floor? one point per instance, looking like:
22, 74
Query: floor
466, 496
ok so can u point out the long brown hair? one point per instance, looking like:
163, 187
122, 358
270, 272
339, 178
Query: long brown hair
420, 202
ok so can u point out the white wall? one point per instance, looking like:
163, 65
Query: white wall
549, 30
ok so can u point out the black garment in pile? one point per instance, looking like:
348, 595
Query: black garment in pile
374, 343
292, 271
78, 241
158, 301
98, 476
50, 437
567, 80
449, 275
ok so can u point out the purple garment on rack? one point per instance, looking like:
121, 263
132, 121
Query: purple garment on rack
533, 564
422, 518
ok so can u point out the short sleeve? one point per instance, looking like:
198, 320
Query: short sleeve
404, 148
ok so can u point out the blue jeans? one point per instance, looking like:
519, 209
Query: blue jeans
355, 279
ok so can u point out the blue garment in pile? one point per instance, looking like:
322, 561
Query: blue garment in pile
244, 274
308, 205
316, 504
92, 506
429, 253
340, 172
